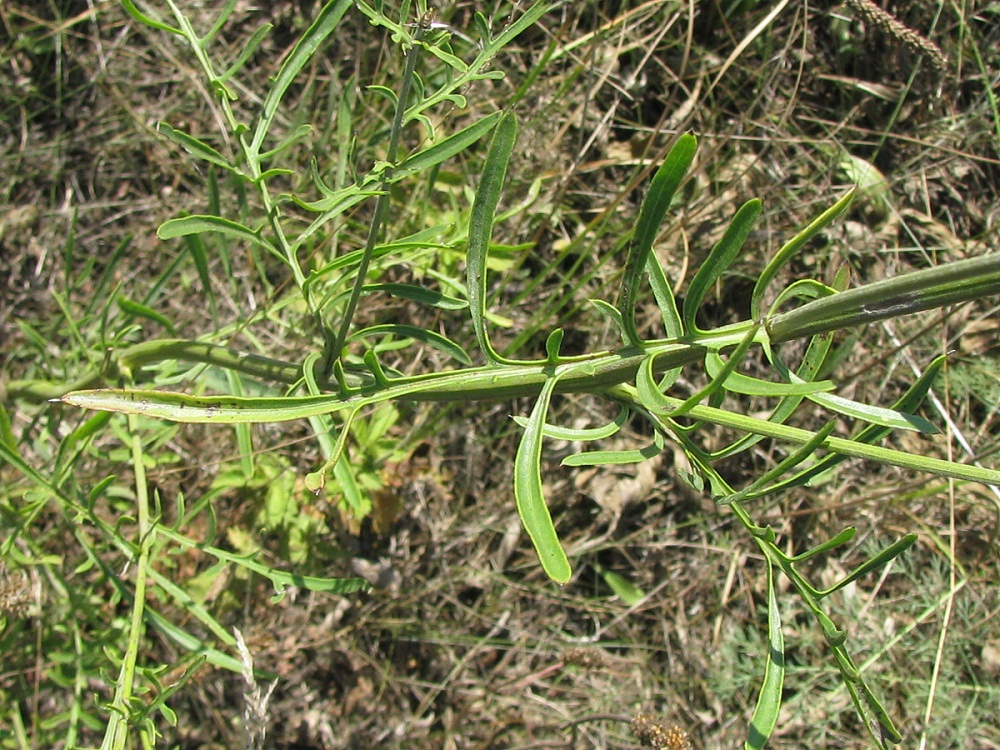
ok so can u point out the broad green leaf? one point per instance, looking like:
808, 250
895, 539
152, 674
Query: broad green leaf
765, 714
307, 46
530, 498
429, 337
661, 192
481, 226
720, 259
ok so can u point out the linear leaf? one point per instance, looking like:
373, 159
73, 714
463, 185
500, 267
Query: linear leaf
185, 225
585, 434
307, 46
661, 192
431, 338
247, 52
421, 294
439, 152
719, 259
530, 498
617, 458
793, 246
196, 147
481, 226
765, 714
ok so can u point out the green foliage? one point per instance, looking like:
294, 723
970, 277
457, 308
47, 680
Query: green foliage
352, 401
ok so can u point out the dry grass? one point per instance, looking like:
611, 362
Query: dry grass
464, 644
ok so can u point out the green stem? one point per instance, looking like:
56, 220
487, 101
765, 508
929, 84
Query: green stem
116, 735
958, 281
382, 205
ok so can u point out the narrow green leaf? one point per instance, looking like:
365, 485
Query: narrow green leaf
842, 538
624, 589
719, 259
136, 310
307, 46
617, 458
431, 338
251, 46
880, 560
530, 498
765, 714
420, 294
785, 465
141, 17
736, 382
196, 147
185, 225
481, 226
791, 247
585, 434
661, 192
450, 146
878, 415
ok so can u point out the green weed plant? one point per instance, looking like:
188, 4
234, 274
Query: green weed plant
335, 389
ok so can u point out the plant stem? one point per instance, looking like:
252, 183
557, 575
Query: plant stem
382, 205
117, 731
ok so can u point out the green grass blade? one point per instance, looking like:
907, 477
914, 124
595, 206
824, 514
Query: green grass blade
531, 506
481, 226
721, 257
765, 714
654, 206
